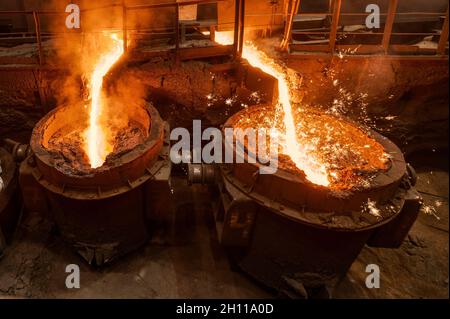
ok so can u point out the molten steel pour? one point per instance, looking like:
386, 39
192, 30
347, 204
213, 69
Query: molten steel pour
301, 154
94, 138
353, 157
97, 145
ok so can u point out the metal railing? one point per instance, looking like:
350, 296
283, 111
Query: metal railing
234, 49
176, 31
385, 46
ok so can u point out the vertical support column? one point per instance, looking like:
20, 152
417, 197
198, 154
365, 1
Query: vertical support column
237, 5
444, 36
212, 33
334, 25
241, 27
124, 26
389, 24
288, 27
37, 26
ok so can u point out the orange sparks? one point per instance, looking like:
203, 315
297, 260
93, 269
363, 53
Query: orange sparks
97, 146
302, 155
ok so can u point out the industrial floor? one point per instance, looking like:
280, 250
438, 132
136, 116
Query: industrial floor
34, 265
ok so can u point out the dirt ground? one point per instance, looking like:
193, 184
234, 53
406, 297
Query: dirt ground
34, 265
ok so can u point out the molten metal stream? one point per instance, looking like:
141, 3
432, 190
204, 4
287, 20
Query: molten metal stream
300, 154
97, 145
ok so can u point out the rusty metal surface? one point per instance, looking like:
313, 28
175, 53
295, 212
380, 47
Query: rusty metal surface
7, 173
394, 13
286, 253
201, 173
276, 250
17, 150
158, 200
128, 171
102, 215
299, 238
294, 197
33, 194
392, 234
101, 230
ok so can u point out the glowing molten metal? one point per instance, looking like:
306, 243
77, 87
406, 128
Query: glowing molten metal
301, 154
97, 145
